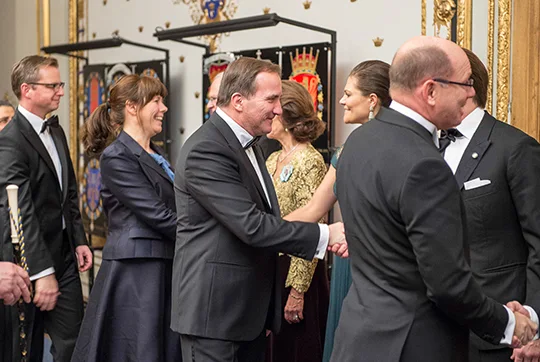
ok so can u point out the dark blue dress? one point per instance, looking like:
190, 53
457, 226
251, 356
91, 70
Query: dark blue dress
339, 287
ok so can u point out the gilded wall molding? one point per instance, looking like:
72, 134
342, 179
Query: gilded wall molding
464, 23
503, 59
73, 87
491, 36
423, 29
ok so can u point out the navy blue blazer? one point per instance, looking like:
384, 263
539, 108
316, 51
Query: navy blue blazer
138, 198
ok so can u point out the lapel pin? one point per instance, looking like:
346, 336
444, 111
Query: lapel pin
475, 155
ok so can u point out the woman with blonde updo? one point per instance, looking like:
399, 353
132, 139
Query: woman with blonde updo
128, 313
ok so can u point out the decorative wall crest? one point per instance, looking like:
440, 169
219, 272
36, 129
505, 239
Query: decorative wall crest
443, 12
211, 11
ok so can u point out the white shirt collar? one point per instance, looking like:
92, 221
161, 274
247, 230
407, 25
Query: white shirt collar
35, 121
243, 136
406, 111
470, 124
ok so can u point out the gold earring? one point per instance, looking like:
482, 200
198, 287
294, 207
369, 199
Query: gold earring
371, 114
286, 130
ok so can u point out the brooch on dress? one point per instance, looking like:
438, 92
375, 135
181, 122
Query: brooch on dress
286, 173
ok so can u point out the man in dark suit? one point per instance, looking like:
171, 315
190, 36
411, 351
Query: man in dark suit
413, 295
229, 231
497, 168
34, 155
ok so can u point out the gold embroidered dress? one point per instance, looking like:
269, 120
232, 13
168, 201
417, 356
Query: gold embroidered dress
295, 186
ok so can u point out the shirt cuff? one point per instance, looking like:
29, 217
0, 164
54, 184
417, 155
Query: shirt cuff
42, 274
509, 331
534, 318
324, 235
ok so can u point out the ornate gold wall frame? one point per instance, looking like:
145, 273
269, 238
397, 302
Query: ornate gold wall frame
43, 22
491, 36
503, 59
73, 27
464, 24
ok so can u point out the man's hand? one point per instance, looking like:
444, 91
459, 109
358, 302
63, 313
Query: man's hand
337, 243
14, 283
84, 257
529, 353
524, 331
516, 306
46, 292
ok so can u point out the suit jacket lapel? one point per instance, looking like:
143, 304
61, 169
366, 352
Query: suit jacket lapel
144, 158
233, 142
391, 116
267, 180
56, 134
34, 140
476, 149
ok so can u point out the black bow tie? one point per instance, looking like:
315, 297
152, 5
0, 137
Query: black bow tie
448, 136
252, 142
51, 122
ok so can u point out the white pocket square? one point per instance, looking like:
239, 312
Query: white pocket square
476, 183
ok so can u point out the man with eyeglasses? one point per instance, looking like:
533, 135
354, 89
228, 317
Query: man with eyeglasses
497, 168
413, 297
34, 156
6, 113
213, 92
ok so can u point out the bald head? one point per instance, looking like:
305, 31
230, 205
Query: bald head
430, 75
213, 92
423, 58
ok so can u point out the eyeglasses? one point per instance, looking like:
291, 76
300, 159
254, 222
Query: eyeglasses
468, 83
54, 86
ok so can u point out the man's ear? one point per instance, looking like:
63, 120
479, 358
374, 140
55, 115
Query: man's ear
25, 90
429, 92
237, 101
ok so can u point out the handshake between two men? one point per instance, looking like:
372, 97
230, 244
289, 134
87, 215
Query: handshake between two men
524, 332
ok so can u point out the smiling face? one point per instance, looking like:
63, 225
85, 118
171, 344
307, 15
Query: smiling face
43, 97
259, 110
355, 104
151, 116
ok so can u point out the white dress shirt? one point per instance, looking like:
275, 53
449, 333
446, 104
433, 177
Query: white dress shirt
406, 111
244, 137
37, 122
455, 150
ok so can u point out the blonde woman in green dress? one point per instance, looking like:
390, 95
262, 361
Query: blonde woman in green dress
365, 93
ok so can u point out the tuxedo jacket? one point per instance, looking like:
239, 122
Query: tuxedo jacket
138, 197
228, 238
412, 295
503, 217
25, 162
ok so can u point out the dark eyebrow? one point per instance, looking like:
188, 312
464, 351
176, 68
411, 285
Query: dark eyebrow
272, 97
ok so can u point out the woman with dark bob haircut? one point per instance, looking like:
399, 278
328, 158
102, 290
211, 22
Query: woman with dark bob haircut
297, 170
129, 310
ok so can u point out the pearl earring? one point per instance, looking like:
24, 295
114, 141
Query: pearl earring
371, 114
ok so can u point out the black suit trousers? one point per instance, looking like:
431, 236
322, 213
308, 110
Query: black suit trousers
62, 323
198, 349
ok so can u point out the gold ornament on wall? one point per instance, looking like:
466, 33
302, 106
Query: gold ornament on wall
197, 95
211, 11
141, 28
94, 35
167, 24
266, 10
307, 4
116, 32
353, 1
181, 58
443, 12
104, 2
378, 41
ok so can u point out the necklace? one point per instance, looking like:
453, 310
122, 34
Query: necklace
288, 153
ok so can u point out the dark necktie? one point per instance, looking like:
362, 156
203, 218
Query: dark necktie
448, 136
252, 142
51, 122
